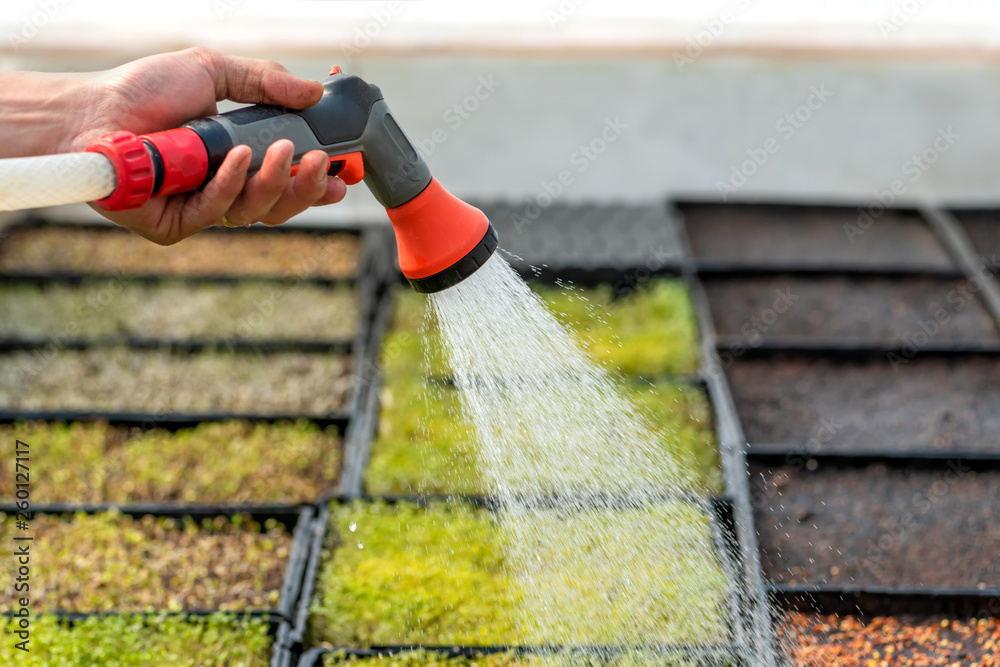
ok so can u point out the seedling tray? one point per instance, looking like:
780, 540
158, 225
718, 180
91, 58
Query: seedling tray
742, 236
906, 640
875, 312
39, 248
590, 243
858, 404
721, 524
296, 519
982, 226
881, 525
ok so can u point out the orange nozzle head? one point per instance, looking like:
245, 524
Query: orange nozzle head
440, 239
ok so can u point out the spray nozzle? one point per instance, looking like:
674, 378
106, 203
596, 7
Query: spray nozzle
441, 240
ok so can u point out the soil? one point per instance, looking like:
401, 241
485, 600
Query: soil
983, 229
214, 252
928, 403
902, 641
842, 307
784, 235
878, 525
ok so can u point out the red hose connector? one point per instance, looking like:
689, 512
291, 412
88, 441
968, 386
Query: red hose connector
133, 166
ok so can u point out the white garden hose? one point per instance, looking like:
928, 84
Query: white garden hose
50, 180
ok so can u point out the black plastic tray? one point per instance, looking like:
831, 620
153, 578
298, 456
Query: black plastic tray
720, 512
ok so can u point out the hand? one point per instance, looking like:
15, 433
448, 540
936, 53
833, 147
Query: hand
164, 91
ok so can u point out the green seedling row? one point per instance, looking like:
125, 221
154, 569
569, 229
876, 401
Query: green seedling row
218, 640
213, 463
399, 574
171, 310
112, 562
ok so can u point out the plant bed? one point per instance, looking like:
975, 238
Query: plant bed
402, 574
878, 525
176, 310
119, 379
777, 236
855, 404
982, 226
771, 310
217, 640
648, 331
109, 561
902, 641
426, 446
213, 463
76, 250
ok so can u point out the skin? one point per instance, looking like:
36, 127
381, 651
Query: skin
60, 113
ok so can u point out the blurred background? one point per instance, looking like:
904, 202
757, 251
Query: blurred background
633, 100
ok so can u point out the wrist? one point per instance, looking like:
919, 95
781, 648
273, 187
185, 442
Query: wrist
41, 113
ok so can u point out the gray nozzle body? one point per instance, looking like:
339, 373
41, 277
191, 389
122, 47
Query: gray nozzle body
351, 116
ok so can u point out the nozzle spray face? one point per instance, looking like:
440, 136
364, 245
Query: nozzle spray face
440, 239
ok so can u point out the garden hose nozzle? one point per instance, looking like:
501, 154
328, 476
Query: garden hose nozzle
441, 240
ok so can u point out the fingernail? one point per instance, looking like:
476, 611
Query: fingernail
321, 174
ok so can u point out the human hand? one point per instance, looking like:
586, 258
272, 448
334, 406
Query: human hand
165, 91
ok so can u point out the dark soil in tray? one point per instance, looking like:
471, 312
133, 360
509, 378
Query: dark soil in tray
878, 525
983, 229
904, 310
785, 235
901, 641
64, 248
824, 405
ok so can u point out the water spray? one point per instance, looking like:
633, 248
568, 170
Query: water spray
441, 240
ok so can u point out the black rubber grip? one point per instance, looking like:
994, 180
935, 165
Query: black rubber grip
217, 144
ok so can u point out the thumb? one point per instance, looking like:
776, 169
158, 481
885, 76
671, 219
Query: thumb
254, 81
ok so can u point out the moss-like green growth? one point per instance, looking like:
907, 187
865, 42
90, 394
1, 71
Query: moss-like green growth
225, 462
247, 311
212, 252
425, 444
112, 562
650, 333
121, 379
401, 574
137, 641
425, 658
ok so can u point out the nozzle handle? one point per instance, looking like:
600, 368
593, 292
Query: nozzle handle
350, 120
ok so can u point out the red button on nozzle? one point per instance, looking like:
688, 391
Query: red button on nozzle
335, 70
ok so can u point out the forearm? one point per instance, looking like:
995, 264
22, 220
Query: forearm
40, 113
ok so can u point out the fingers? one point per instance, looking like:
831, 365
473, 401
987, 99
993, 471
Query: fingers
250, 80
209, 206
264, 188
310, 187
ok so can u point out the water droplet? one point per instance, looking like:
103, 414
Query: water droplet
361, 545
353, 527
